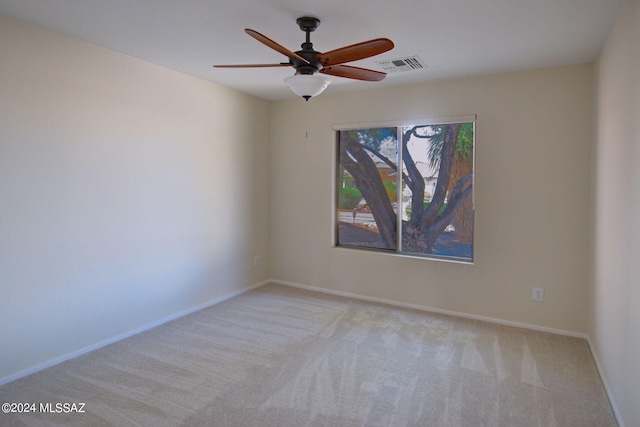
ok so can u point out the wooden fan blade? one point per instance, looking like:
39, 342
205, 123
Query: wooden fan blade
355, 52
351, 72
282, 64
273, 45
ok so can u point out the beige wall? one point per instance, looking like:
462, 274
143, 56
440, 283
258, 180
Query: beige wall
534, 134
615, 294
129, 193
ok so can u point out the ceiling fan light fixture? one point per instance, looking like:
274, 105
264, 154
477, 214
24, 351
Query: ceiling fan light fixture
307, 85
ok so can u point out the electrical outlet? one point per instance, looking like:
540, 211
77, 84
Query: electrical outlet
256, 261
538, 294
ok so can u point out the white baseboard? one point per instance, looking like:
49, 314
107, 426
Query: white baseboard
607, 390
128, 334
435, 310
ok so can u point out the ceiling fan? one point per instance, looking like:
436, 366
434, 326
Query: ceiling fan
307, 61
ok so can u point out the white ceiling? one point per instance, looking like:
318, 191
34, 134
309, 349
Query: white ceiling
455, 38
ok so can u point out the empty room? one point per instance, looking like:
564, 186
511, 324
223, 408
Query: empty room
302, 213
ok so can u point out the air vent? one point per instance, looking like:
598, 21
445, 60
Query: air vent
401, 64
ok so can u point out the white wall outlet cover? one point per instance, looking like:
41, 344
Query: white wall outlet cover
538, 294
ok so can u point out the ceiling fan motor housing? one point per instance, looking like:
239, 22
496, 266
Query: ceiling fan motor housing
312, 67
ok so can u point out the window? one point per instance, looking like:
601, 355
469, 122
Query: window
425, 207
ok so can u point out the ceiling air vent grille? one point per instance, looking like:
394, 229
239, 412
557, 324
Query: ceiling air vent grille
401, 64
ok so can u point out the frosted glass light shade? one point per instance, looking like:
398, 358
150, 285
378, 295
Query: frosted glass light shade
307, 85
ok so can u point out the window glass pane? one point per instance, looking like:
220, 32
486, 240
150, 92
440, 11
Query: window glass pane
367, 176
437, 190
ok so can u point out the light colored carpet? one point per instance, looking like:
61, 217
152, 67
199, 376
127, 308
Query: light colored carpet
280, 356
